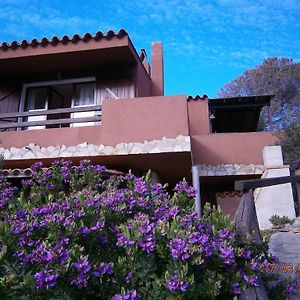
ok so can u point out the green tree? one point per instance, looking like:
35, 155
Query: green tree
290, 142
275, 76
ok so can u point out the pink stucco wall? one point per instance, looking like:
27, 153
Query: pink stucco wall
198, 117
231, 148
150, 118
126, 120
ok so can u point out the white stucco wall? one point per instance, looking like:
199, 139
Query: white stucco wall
278, 199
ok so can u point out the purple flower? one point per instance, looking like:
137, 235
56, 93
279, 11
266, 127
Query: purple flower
97, 226
183, 186
175, 285
148, 244
235, 288
51, 186
84, 230
146, 228
82, 266
104, 269
227, 255
225, 234
123, 241
81, 280
128, 277
246, 254
132, 295
45, 279
255, 266
252, 280
179, 249
140, 186
63, 256
291, 288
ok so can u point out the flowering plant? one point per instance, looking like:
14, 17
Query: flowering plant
77, 232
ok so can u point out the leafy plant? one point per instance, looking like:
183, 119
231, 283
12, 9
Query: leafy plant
75, 232
280, 221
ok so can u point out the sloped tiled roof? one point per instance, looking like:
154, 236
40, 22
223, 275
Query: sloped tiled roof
64, 40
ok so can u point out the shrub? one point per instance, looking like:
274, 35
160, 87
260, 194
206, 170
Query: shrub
280, 221
76, 233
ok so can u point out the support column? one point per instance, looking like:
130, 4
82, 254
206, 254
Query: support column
196, 185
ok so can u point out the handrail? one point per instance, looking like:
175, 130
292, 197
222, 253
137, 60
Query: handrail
50, 111
6, 124
246, 185
50, 122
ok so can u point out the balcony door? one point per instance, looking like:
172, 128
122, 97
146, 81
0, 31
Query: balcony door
42, 99
66, 93
84, 95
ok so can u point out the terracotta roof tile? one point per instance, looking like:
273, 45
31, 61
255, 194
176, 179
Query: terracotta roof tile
204, 97
64, 40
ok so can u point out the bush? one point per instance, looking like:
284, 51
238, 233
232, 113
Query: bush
280, 221
77, 233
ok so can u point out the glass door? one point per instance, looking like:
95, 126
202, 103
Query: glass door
37, 100
84, 95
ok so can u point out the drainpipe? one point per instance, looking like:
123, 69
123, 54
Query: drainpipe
196, 185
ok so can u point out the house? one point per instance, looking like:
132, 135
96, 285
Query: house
96, 97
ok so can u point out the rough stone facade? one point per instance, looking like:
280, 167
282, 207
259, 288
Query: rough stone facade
230, 169
33, 151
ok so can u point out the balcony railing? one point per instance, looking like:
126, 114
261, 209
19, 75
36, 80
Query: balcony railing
16, 120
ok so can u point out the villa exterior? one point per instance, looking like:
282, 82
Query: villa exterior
94, 97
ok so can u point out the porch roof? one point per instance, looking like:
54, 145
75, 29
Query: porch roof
67, 53
237, 114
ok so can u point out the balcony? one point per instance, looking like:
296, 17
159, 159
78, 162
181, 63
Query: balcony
41, 119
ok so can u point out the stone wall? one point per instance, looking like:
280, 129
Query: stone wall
230, 169
33, 151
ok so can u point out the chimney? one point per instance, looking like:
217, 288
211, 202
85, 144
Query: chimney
157, 70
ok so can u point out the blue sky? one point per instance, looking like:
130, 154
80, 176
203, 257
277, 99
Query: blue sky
206, 43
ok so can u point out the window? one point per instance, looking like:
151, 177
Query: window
71, 93
58, 94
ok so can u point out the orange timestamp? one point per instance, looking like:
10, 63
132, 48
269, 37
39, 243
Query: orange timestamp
283, 267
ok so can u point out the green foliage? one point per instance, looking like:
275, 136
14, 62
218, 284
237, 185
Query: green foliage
280, 221
73, 232
290, 142
215, 216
